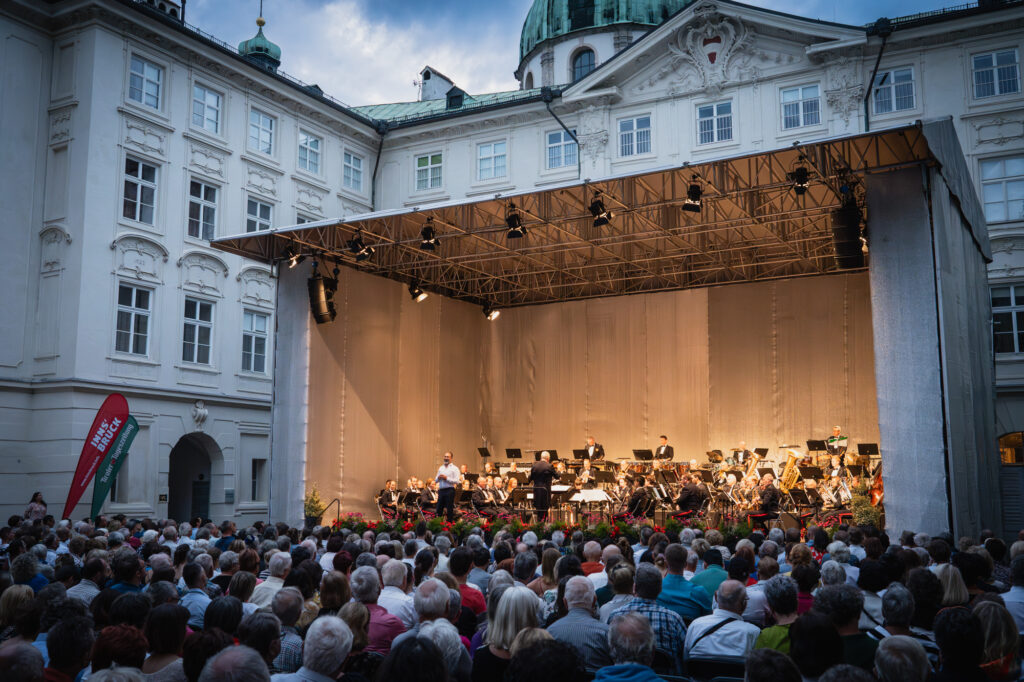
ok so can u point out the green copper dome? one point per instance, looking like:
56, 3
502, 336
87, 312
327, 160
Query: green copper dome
261, 50
552, 18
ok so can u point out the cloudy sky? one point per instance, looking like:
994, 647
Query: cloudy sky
371, 51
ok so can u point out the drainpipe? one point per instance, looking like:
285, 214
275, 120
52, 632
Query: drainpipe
882, 27
548, 96
382, 130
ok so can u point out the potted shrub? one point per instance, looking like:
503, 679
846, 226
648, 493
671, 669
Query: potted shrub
313, 507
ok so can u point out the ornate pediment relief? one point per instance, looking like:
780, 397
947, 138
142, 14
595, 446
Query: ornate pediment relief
54, 239
309, 198
145, 136
139, 257
257, 287
206, 159
202, 272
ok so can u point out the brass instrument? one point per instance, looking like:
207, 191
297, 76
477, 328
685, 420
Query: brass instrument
790, 473
752, 467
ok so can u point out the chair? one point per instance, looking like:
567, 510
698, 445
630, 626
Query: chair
662, 662
711, 668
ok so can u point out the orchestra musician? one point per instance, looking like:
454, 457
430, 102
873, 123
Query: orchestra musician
428, 498
542, 474
483, 499
691, 497
836, 445
389, 499
512, 484
595, 450
742, 454
640, 500
770, 495
586, 475
664, 451
489, 469
448, 478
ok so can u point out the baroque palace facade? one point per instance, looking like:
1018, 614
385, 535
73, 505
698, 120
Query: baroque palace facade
131, 139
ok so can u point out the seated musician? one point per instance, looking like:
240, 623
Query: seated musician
489, 469
389, 500
428, 496
510, 487
770, 495
483, 499
560, 468
640, 500
512, 468
587, 474
621, 489
691, 497
465, 482
498, 488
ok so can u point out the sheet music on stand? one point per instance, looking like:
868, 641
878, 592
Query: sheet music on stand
590, 497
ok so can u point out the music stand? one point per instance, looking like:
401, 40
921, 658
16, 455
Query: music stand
800, 497
643, 454
553, 453
580, 453
465, 497
761, 471
604, 476
484, 452
521, 476
867, 449
761, 451
706, 475
519, 496
811, 472
471, 477
816, 446
513, 453
714, 456
855, 470
411, 498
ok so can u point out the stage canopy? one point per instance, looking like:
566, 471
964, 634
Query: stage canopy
754, 225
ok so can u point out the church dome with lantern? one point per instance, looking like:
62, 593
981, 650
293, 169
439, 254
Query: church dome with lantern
564, 40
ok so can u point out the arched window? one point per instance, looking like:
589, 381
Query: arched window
1011, 448
582, 64
528, 84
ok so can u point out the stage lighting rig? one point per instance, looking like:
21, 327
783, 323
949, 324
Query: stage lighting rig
514, 222
428, 235
692, 203
293, 257
417, 294
491, 313
359, 248
602, 216
800, 177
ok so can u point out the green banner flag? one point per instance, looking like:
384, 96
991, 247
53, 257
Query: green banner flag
111, 464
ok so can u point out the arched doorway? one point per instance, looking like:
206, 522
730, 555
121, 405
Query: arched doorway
188, 479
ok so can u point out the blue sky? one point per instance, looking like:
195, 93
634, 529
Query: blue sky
371, 51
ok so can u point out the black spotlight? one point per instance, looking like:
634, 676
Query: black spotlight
418, 295
359, 248
514, 221
692, 202
846, 235
292, 257
491, 313
321, 297
429, 236
800, 177
602, 216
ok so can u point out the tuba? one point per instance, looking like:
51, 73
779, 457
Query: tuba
752, 467
790, 474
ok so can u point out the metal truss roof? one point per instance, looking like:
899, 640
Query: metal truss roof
753, 226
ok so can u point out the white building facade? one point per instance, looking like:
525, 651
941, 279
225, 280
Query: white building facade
140, 139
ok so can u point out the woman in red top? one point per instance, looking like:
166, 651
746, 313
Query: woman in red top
806, 577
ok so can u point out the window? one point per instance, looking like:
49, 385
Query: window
133, 308
582, 64
581, 14
259, 477
714, 122
309, 152
139, 190
352, 176
894, 90
254, 342
1002, 188
301, 219
145, 82
428, 171
197, 331
996, 73
490, 160
202, 209
261, 132
257, 215
1011, 448
205, 108
562, 150
801, 107
635, 136
1008, 318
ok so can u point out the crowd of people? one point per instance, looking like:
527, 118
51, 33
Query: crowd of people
121, 600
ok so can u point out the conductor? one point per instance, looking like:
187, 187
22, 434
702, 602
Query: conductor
542, 473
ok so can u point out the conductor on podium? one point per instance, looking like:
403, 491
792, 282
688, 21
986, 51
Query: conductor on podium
542, 474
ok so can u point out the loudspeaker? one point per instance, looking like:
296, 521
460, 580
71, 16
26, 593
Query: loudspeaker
321, 298
846, 236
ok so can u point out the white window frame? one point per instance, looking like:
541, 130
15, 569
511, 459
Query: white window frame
137, 185
205, 119
888, 84
430, 181
802, 103
1015, 311
564, 144
1006, 186
261, 131
197, 324
140, 82
572, 63
997, 84
718, 122
258, 487
633, 137
204, 206
352, 170
313, 146
257, 219
489, 155
251, 333
135, 314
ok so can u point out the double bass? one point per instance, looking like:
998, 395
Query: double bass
876, 493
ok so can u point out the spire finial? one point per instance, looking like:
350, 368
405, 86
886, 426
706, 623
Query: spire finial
260, 21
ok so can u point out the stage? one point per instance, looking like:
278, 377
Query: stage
775, 347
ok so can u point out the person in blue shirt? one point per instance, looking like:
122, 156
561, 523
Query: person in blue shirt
679, 594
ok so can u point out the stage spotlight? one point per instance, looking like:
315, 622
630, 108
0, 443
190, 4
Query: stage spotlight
418, 295
359, 248
293, 257
602, 216
692, 202
800, 177
514, 221
491, 313
429, 236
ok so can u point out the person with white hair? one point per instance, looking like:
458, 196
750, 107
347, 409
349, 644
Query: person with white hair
901, 659
328, 643
432, 601
444, 545
235, 664
631, 644
580, 628
724, 632
833, 573
517, 610
279, 567
445, 635
384, 627
393, 597
840, 553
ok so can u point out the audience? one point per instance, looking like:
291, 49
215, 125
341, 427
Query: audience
631, 647
669, 628
580, 627
724, 632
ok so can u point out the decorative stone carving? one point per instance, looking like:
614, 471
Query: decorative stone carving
201, 272
54, 239
309, 198
144, 136
547, 67
139, 257
260, 180
593, 133
845, 91
257, 287
999, 130
622, 40
60, 124
199, 414
206, 159
1007, 245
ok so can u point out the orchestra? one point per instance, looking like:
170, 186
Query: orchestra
743, 486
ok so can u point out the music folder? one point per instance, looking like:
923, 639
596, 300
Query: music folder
816, 446
643, 454
513, 453
484, 452
579, 453
867, 449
